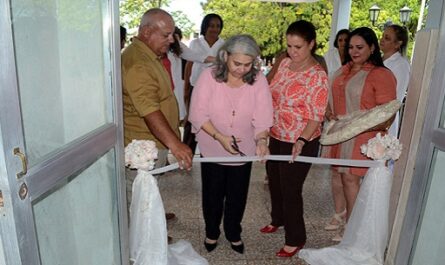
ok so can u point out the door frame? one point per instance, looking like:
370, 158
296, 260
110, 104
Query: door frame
432, 137
17, 229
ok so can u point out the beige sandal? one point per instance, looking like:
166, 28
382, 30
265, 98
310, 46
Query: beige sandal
336, 222
339, 236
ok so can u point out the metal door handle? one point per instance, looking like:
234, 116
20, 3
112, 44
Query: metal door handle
24, 163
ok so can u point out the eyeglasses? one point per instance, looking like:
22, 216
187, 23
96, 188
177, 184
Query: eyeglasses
236, 147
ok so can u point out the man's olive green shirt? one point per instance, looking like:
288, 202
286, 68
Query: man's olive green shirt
146, 88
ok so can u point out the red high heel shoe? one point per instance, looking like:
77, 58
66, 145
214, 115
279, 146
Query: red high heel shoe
284, 254
269, 229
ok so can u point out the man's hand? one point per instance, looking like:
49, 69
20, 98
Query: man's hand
183, 155
160, 128
209, 59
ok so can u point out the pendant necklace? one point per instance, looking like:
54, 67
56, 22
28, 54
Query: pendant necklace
233, 96
229, 98
233, 111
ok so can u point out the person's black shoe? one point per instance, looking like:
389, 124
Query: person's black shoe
238, 248
169, 217
210, 247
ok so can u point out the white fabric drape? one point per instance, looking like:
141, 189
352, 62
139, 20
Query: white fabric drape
148, 229
366, 233
363, 243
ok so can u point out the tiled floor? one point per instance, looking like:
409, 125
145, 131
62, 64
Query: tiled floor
181, 192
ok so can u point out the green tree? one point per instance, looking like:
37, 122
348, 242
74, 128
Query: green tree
131, 12
267, 22
183, 22
320, 14
389, 11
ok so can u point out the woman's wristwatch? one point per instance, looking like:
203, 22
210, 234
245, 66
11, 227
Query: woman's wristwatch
303, 140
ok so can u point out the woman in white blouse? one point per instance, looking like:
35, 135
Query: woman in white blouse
393, 45
336, 56
334, 60
208, 44
178, 52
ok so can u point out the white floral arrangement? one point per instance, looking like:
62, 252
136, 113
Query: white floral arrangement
140, 154
382, 148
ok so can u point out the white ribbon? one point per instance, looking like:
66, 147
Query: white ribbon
305, 159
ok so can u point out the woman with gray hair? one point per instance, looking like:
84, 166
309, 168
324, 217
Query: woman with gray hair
231, 113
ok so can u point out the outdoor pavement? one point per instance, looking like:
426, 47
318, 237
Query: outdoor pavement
181, 193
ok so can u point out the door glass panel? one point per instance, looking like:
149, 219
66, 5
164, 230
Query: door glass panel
63, 67
431, 232
77, 223
2, 254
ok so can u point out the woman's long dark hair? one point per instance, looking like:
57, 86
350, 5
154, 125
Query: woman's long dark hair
339, 33
206, 22
371, 40
175, 47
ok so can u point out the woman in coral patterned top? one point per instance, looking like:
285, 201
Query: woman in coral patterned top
299, 96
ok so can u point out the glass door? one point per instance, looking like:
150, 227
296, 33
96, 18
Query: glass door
423, 231
431, 231
61, 195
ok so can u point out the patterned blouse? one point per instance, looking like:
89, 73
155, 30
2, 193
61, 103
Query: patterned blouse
297, 97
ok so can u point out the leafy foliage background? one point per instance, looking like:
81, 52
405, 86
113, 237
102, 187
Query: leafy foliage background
268, 21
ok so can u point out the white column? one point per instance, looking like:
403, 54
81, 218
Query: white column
340, 18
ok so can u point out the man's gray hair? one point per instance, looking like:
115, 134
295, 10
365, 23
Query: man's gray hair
242, 44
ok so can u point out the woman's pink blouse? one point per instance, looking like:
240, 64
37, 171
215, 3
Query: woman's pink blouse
297, 98
215, 102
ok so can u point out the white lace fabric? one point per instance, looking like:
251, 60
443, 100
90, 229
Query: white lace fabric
351, 125
148, 228
366, 233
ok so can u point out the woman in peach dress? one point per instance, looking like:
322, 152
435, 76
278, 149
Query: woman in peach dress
361, 84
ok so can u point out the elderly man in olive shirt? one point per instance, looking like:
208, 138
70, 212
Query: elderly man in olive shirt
150, 107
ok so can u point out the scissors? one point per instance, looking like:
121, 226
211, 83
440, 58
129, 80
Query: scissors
236, 147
